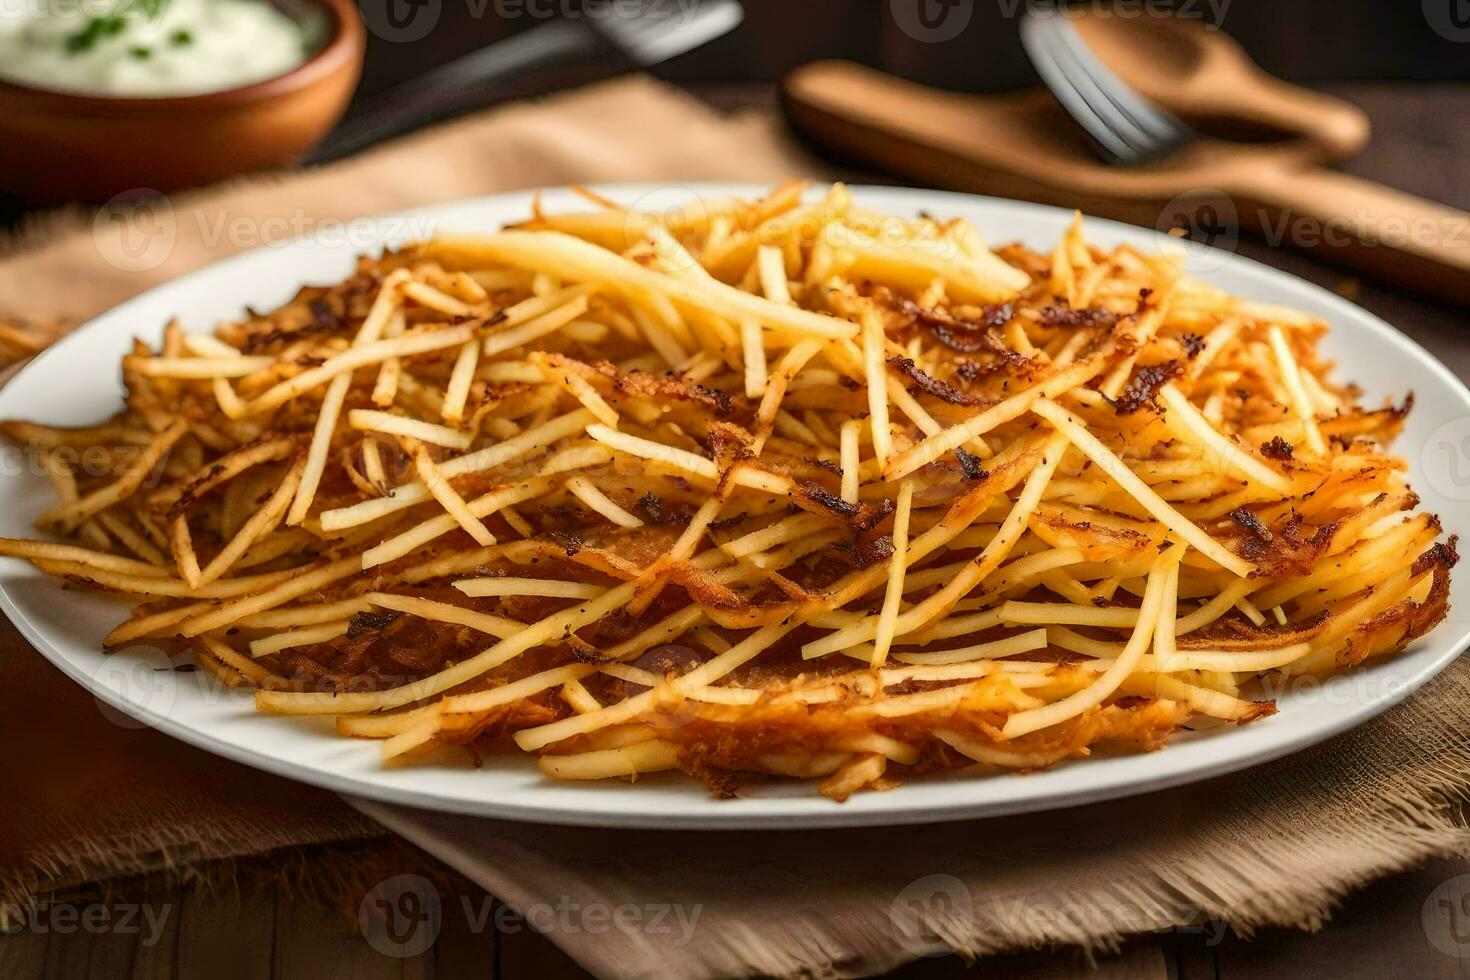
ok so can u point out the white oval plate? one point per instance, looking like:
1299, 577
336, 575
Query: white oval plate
77, 382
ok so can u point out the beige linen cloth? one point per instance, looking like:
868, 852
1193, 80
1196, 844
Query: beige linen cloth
1279, 844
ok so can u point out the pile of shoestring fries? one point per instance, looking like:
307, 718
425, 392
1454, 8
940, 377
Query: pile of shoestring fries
779, 487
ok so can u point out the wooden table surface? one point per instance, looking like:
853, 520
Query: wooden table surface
1397, 927
256, 932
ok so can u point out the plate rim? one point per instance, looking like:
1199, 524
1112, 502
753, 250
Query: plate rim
732, 815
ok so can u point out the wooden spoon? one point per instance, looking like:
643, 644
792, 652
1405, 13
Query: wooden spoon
1023, 145
1201, 73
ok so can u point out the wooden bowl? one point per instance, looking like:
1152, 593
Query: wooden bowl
57, 147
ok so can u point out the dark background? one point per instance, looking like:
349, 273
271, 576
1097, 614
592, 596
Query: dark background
1304, 40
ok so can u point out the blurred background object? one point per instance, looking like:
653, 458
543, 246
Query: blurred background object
71, 139
973, 46
962, 45
1092, 141
1226, 66
630, 37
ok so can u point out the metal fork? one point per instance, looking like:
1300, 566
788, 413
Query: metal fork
1125, 127
632, 34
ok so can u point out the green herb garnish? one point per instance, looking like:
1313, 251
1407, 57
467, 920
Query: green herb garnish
140, 53
181, 38
150, 8
96, 29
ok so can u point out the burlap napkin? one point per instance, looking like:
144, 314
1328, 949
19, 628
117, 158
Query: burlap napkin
1275, 845
87, 796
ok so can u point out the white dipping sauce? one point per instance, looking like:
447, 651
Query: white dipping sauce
186, 47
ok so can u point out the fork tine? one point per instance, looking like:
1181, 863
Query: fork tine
651, 31
1127, 128
1142, 142
1042, 50
1144, 114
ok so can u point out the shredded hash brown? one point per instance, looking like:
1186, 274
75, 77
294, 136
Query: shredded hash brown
779, 488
